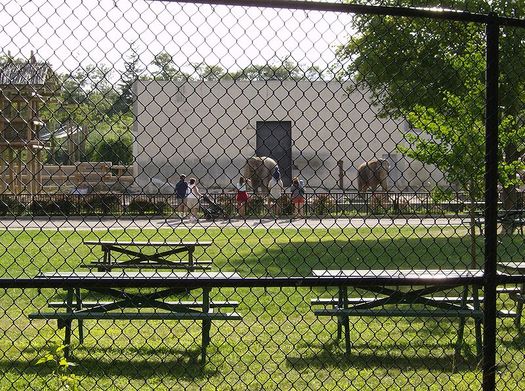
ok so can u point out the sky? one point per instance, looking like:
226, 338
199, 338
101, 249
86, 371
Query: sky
68, 33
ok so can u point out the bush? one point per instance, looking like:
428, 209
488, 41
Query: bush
228, 204
10, 206
103, 203
255, 206
440, 195
285, 205
144, 207
60, 207
322, 205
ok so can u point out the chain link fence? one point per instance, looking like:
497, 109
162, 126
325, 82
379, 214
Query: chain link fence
261, 195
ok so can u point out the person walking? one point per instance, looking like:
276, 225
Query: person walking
298, 197
276, 191
192, 199
181, 190
242, 196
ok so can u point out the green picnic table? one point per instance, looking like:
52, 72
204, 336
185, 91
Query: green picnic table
129, 303
518, 295
138, 258
515, 218
403, 293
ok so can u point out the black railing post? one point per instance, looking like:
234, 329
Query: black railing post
491, 202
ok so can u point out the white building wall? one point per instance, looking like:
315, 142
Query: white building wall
207, 130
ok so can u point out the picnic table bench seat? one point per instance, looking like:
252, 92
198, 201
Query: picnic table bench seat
468, 301
468, 311
140, 315
103, 266
189, 304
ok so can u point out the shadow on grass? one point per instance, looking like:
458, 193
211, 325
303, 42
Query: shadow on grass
296, 254
364, 356
422, 344
518, 338
133, 364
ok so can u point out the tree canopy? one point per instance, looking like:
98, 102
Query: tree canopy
432, 73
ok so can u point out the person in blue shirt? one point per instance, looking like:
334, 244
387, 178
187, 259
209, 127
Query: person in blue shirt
181, 192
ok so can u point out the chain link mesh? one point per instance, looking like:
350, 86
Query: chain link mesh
291, 196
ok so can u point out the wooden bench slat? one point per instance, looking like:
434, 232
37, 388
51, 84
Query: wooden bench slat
506, 314
190, 304
439, 313
508, 290
136, 316
360, 300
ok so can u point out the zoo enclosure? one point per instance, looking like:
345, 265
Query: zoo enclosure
490, 280
317, 204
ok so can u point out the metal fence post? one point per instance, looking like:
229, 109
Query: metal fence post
491, 201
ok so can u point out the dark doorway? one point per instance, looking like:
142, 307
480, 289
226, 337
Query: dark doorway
274, 139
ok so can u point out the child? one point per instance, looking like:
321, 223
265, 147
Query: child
298, 197
242, 196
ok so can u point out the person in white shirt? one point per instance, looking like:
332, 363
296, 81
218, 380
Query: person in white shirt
192, 199
276, 191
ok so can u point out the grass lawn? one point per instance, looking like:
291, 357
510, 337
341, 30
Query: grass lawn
279, 344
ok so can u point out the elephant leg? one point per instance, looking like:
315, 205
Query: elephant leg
384, 184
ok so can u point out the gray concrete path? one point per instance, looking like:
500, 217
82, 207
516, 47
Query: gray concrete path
108, 223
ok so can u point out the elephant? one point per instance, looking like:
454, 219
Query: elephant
259, 170
372, 174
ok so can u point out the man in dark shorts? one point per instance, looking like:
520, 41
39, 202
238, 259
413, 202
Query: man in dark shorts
181, 192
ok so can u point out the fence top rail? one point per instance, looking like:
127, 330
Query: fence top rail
431, 13
74, 280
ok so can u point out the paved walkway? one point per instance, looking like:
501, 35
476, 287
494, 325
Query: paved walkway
109, 223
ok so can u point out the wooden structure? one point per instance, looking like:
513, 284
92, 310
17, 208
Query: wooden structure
24, 88
99, 176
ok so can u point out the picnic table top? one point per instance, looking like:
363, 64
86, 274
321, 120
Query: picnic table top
430, 275
146, 244
512, 267
503, 213
132, 275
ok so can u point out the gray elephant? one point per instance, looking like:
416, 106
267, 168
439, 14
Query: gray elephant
259, 170
372, 174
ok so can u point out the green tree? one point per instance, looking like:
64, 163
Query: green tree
408, 63
85, 96
115, 150
452, 135
210, 72
132, 72
166, 69
112, 140
286, 69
